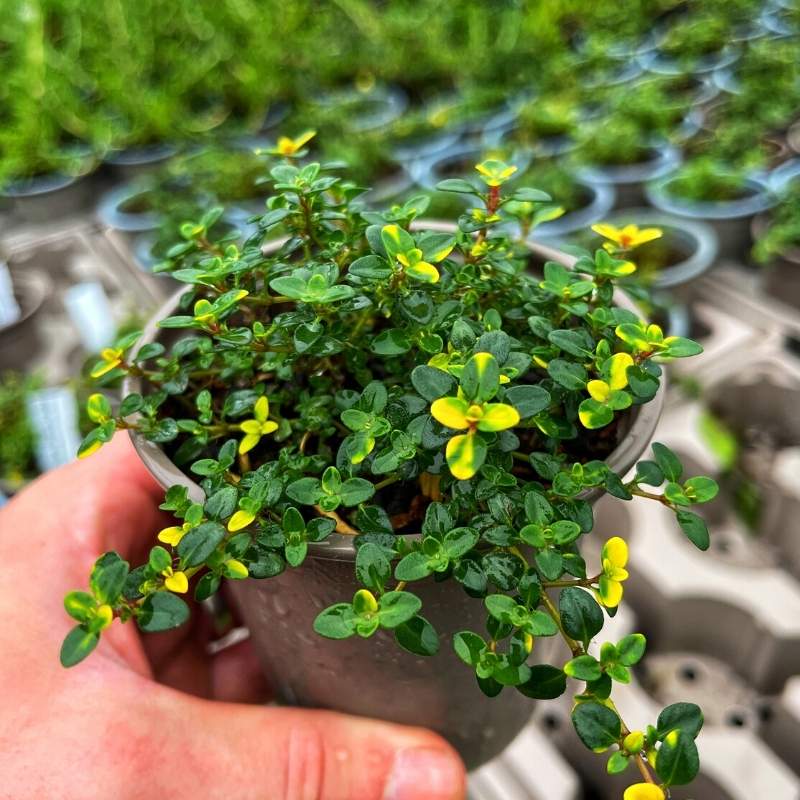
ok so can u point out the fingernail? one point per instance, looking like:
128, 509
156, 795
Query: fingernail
424, 773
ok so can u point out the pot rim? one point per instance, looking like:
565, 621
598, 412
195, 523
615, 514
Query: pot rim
32, 285
140, 156
603, 197
425, 171
703, 236
339, 547
760, 200
109, 210
758, 227
665, 159
659, 63
40, 185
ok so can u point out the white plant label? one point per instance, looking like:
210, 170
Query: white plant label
10, 311
90, 311
53, 414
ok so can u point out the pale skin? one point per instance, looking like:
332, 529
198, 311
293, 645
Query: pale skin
152, 715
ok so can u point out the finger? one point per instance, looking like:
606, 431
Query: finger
236, 675
296, 754
107, 501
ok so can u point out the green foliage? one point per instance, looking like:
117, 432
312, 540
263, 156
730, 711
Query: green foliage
706, 179
420, 391
16, 435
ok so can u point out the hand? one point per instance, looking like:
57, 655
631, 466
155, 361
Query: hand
155, 716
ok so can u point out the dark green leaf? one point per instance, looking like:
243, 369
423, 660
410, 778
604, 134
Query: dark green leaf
695, 529
77, 645
597, 726
545, 683
677, 761
199, 543
581, 615
336, 622
162, 611
417, 636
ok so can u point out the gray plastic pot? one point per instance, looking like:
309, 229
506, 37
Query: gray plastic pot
22, 341
696, 242
380, 106
136, 161
47, 197
601, 199
376, 678
781, 276
730, 220
661, 64
629, 179
110, 210
428, 172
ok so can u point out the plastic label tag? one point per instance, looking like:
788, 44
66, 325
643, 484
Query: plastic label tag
53, 414
90, 311
10, 311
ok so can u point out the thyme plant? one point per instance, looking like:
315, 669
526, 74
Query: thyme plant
425, 393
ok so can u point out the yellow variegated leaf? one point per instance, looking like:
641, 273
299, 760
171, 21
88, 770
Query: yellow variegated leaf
598, 390
98, 408
304, 138
249, 442
269, 426
451, 412
617, 367
463, 456
173, 534
177, 582
423, 271
607, 231
203, 311
644, 235
241, 519
441, 255
261, 409
105, 614
252, 426
644, 791
654, 333
236, 569
610, 592
615, 550
498, 417
84, 452
365, 602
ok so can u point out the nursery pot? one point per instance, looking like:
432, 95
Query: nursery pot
47, 197
125, 208
694, 247
730, 219
600, 199
136, 161
781, 276
21, 341
376, 678
629, 179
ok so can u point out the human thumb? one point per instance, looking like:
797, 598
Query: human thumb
275, 753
